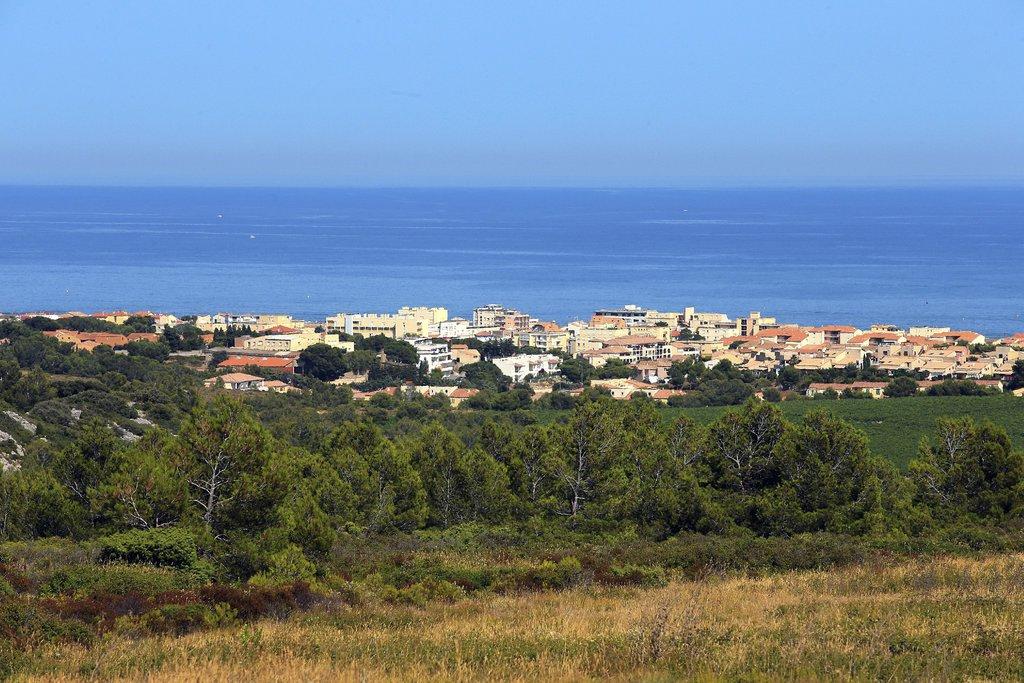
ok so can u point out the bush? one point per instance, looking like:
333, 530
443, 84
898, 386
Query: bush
547, 575
424, 592
115, 579
23, 624
179, 620
634, 575
158, 547
254, 602
289, 564
18, 583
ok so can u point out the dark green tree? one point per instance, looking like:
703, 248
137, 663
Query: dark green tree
969, 469
901, 387
323, 362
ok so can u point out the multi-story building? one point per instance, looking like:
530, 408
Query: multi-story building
408, 322
546, 337
835, 334
432, 314
496, 315
295, 342
750, 325
521, 365
659, 330
630, 314
630, 349
463, 355
713, 329
453, 328
590, 337
437, 355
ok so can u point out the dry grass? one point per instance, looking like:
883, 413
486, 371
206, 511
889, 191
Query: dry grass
939, 620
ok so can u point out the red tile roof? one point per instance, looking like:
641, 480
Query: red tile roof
834, 328
258, 361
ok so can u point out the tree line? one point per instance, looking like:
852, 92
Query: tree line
252, 501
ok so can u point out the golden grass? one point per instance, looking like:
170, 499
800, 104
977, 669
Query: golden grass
938, 620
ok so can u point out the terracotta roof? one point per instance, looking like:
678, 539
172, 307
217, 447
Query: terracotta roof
790, 333
964, 335
666, 393
838, 386
731, 340
868, 336
634, 339
235, 378
257, 361
813, 348
282, 329
833, 328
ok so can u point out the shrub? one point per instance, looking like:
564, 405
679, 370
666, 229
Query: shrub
544, 576
179, 620
13, 580
289, 564
972, 537
423, 592
168, 547
634, 575
254, 602
23, 623
115, 579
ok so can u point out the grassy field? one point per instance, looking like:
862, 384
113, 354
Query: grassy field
940, 619
894, 426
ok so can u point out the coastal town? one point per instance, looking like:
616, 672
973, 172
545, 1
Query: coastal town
627, 350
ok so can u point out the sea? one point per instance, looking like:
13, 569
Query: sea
951, 256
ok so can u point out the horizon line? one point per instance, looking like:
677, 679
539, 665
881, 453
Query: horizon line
1016, 183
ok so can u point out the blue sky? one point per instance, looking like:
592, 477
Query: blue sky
526, 93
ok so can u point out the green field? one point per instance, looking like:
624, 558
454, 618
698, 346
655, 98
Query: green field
895, 425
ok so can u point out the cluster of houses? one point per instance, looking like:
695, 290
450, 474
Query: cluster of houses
933, 353
646, 340
87, 341
240, 381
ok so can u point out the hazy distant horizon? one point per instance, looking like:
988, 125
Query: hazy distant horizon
1009, 183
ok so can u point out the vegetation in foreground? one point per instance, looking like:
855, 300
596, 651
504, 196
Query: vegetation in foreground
937, 619
181, 514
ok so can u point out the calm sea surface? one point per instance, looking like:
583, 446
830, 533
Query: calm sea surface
943, 256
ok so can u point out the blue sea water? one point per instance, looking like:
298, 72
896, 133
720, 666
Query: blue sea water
908, 256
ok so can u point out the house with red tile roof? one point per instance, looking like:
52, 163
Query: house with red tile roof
274, 363
236, 381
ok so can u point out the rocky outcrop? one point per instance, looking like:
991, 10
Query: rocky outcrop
11, 452
22, 421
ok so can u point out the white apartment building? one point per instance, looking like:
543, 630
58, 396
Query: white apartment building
453, 328
521, 365
437, 355
630, 313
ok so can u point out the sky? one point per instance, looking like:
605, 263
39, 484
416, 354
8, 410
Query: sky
674, 93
